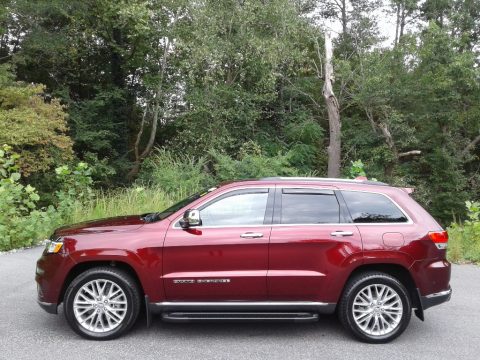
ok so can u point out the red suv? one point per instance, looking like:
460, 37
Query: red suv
278, 249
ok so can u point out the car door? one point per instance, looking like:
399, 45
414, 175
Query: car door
310, 244
226, 258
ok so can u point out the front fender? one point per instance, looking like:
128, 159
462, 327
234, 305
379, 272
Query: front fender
118, 256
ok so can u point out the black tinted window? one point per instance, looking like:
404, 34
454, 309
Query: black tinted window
372, 208
305, 208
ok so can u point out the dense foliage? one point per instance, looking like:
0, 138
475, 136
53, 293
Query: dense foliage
464, 242
22, 220
233, 89
32, 125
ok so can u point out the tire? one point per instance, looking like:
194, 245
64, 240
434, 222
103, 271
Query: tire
102, 303
380, 317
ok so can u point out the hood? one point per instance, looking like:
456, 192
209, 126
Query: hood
119, 223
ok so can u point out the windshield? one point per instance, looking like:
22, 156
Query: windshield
150, 217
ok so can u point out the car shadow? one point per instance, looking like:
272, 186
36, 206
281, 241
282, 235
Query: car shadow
327, 325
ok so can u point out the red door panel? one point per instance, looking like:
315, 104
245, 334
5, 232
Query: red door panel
214, 264
306, 259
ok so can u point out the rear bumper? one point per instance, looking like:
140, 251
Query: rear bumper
48, 307
436, 298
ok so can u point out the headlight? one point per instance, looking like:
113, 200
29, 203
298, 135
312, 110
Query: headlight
53, 247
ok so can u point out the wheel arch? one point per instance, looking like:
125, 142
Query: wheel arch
86, 265
398, 271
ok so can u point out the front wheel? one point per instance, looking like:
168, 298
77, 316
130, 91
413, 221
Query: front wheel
375, 307
102, 303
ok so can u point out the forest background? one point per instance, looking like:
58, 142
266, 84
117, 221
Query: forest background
111, 107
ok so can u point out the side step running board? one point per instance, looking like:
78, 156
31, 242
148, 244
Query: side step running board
239, 316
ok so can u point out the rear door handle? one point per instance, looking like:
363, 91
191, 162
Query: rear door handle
251, 235
341, 233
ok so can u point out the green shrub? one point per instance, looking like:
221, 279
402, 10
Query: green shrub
173, 174
21, 223
357, 169
76, 187
464, 239
251, 163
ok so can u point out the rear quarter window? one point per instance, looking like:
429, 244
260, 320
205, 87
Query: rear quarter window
368, 207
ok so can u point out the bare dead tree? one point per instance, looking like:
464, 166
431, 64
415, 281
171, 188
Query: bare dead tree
333, 110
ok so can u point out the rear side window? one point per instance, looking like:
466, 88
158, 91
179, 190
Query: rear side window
305, 207
367, 207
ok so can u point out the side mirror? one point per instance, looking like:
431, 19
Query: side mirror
191, 217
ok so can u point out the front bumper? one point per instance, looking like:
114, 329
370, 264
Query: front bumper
436, 298
50, 275
48, 307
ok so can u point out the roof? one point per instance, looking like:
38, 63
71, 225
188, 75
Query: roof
360, 180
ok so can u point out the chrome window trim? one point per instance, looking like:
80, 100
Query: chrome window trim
287, 225
175, 224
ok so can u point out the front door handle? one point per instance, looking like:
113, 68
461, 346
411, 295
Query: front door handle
251, 235
341, 233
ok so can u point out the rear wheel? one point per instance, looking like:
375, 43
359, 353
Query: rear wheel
102, 303
375, 307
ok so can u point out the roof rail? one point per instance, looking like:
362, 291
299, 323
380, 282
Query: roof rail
355, 181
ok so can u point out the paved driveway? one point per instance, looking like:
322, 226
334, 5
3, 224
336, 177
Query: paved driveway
451, 330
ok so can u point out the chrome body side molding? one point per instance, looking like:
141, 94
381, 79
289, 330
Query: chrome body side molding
243, 306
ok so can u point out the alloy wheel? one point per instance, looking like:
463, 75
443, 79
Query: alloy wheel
100, 305
377, 309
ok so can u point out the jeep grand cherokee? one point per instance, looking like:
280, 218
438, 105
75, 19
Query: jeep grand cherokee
276, 249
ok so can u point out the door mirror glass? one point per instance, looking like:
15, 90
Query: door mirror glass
191, 217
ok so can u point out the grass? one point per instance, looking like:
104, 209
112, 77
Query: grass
464, 242
126, 201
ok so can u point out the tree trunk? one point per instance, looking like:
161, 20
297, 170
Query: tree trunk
403, 21
390, 166
344, 17
333, 109
470, 146
157, 111
397, 25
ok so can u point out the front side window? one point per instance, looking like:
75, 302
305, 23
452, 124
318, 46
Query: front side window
237, 209
309, 208
367, 207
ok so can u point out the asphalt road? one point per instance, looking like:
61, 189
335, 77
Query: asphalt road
451, 330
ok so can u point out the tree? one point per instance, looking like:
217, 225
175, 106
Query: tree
333, 109
161, 78
34, 126
238, 59
436, 10
204, 77
93, 56
404, 12
465, 24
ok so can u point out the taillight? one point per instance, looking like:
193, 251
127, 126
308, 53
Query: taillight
440, 238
